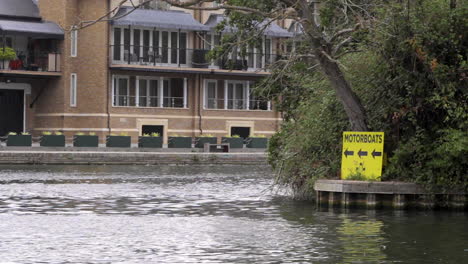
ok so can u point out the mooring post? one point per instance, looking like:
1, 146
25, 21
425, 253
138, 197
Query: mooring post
458, 201
371, 201
333, 199
345, 200
399, 201
426, 201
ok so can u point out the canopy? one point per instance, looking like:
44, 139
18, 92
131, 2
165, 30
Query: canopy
26, 9
157, 18
40, 29
272, 30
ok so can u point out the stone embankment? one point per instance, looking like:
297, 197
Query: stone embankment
73, 156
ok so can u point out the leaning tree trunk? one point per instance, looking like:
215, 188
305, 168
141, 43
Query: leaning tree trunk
351, 103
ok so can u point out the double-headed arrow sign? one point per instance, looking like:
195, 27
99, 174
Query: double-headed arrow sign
362, 153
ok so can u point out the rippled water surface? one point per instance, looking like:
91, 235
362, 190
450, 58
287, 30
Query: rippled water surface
221, 214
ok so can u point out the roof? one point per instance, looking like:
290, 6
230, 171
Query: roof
19, 9
36, 29
271, 30
128, 16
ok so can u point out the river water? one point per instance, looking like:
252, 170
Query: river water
220, 214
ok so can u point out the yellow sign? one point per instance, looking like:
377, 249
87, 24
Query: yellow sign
362, 155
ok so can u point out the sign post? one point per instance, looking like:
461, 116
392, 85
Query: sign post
362, 155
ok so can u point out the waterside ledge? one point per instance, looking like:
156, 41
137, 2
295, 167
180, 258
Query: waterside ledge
116, 157
375, 195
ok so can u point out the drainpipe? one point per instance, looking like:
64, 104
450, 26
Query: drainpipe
108, 77
200, 102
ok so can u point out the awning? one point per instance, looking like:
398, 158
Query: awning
157, 19
272, 30
40, 29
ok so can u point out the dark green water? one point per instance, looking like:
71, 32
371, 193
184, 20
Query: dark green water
221, 214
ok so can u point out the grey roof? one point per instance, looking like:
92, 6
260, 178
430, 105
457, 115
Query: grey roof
272, 30
39, 29
157, 18
19, 8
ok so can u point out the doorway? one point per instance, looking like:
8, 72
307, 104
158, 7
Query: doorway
11, 111
243, 132
153, 129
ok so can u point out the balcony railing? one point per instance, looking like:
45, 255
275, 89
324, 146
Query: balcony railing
237, 104
148, 101
41, 61
189, 58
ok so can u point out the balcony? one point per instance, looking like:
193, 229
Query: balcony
137, 55
237, 104
32, 61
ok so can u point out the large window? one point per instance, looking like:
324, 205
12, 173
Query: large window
149, 92
232, 95
143, 46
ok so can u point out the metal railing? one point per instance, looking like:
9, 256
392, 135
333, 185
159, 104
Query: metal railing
237, 104
36, 60
148, 101
191, 58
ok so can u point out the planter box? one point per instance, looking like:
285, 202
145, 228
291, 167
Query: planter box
86, 141
53, 141
180, 142
257, 143
202, 140
234, 142
118, 141
19, 141
150, 142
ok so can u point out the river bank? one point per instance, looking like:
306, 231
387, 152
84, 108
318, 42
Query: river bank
74, 156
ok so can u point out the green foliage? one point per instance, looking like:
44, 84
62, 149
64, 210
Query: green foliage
412, 78
7, 53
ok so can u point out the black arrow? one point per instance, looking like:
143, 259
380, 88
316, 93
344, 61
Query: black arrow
376, 154
362, 153
348, 153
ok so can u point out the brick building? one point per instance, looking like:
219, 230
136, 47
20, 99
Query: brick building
144, 71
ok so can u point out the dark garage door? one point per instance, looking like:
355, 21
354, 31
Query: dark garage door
11, 111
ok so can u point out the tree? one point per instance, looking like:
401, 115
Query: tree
329, 31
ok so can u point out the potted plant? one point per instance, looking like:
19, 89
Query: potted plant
235, 141
153, 140
19, 140
52, 140
259, 141
201, 140
177, 141
88, 141
123, 140
6, 55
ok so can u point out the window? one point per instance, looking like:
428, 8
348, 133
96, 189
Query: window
8, 42
233, 95
73, 90
149, 92
74, 43
149, 46
121, 91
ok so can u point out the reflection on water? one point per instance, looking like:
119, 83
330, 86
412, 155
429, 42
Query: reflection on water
362, 241
219, 214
